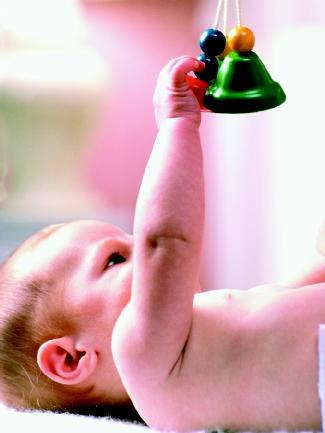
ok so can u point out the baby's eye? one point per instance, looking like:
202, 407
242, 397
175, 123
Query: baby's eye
114, 259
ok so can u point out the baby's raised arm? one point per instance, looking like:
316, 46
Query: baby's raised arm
153, 330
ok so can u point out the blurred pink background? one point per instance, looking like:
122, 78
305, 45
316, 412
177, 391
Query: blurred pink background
75, 141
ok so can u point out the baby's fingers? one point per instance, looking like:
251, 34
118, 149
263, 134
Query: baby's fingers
176, 69
182, 67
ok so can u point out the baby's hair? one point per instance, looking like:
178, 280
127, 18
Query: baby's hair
31, 312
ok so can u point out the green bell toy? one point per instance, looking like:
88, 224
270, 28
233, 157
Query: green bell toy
235, 77
243, 85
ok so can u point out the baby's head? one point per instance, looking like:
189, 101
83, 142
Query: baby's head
61, 293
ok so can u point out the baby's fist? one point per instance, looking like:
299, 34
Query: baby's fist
173, 97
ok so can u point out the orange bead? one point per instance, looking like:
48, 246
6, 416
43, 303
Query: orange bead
241, 39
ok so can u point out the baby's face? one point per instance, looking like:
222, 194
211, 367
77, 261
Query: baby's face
89, 265
91, 260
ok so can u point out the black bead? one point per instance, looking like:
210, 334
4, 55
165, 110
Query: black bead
212, 42
211, 68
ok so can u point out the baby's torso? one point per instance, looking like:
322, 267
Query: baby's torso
249, 357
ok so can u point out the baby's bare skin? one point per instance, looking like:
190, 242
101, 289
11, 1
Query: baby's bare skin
249, 359
243, 360
228, 359
250, 362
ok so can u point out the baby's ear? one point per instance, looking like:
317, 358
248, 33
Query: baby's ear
65, 361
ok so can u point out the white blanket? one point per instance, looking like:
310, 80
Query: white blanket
51, 422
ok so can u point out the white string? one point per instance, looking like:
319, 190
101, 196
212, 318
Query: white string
225, 17
217, 18
224, 4
238, 13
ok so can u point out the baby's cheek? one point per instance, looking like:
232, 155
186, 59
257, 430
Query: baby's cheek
127, 290
124, 285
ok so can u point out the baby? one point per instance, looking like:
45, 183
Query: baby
91, 315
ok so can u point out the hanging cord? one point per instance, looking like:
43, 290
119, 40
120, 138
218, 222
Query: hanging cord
225, 17
217, 18
238, 13
224, 4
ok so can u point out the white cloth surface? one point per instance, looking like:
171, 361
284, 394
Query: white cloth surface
51, 422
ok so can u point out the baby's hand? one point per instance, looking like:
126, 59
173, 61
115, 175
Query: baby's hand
173, 97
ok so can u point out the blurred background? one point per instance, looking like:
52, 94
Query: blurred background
77, 126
